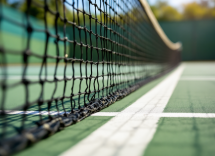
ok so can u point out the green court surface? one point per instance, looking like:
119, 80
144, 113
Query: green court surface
183, 136
193, 97
188, 136
194, 93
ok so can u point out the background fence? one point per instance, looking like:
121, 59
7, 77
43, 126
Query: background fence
197, 37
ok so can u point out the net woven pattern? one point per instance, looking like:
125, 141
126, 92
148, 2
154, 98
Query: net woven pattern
104, 50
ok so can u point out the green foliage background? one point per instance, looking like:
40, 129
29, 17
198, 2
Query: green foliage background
191, 11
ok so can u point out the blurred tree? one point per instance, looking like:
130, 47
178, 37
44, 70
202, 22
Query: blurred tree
164, 12
198, 11
39, 13
155, 11
194, 11
4, 2
202, 10
169, 13
33, 10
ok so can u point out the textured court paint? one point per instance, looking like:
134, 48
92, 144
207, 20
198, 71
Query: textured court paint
183, 137
62, 140
192, 97
127, 101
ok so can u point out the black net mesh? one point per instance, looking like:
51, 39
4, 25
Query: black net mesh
69, 59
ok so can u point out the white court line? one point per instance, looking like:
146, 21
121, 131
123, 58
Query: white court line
106, 114
172, 115
51, 77
178, 115
130, 134
34, 112
197, 78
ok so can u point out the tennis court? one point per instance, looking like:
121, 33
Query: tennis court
99, 78
182, 117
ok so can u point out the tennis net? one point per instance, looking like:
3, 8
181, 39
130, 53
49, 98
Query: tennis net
62, 60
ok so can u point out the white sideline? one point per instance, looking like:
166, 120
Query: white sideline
146, 113
129, 132
172, 115
177, 115
34, 112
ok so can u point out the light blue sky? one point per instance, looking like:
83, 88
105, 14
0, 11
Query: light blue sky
177, 3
